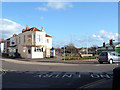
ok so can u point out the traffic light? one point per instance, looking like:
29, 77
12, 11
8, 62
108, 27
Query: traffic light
111, 42
104, 44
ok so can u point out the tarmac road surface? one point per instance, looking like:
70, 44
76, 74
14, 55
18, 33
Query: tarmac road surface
49, 80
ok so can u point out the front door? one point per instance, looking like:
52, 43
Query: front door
29, 52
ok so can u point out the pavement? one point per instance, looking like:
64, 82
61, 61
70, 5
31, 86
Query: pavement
54, 60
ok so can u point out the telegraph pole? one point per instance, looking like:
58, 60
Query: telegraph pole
87, 43
71, 44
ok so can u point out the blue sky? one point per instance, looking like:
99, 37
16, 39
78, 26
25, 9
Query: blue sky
65, 20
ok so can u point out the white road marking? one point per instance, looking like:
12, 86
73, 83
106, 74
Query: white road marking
47, 75
64, 74
67, 75
57, 75
94, 76
105, 76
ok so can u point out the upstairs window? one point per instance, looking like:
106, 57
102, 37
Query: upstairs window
24, 39
47, 40
34, 37
16, 41
19, 40
38, 38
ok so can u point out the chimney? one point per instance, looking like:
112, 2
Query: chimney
2, 39
33, 28
23, 30
14, 35
27, 27
42, 29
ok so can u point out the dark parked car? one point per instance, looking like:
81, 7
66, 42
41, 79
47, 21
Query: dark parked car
15, 55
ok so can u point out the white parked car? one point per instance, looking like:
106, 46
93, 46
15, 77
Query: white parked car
108, 56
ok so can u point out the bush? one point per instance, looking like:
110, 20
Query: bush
79, 58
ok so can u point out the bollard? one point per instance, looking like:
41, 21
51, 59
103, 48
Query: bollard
116, 79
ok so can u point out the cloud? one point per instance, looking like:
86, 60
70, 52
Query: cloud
41, 18
58, 5
55, 6
42, 8
105, 36
58, 44
95, 39
9, 27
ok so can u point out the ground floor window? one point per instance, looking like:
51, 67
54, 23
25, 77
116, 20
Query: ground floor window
38, 49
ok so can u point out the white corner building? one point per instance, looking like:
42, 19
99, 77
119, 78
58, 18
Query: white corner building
31, 43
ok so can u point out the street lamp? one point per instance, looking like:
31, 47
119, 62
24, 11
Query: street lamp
64, 53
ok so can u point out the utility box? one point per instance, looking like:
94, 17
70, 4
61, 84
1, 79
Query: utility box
52, 53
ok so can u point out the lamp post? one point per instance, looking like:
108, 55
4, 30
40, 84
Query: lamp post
64, 53
87, 44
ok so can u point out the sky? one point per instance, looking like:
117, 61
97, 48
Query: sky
76, 22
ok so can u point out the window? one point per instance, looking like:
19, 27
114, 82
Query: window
103, 54
113, 54
34, 38
16, 41
19, 40
13, 42
118, 55
47, 40
38, 49
38, 38
24, 38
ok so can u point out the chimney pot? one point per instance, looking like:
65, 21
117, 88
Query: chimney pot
23, 30
33, 28
2, 39
14, 35
27, 27
42, 29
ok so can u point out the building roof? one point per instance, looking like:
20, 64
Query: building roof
32, 29
1, 39
8, 39
48, 35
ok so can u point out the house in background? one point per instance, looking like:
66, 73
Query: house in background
31, 43
1, 45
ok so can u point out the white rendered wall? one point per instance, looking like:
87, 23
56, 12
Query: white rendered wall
36, 54
49, 45
2, 47
42, 38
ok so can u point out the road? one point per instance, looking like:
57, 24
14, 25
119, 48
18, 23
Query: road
42, 66
23, 74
